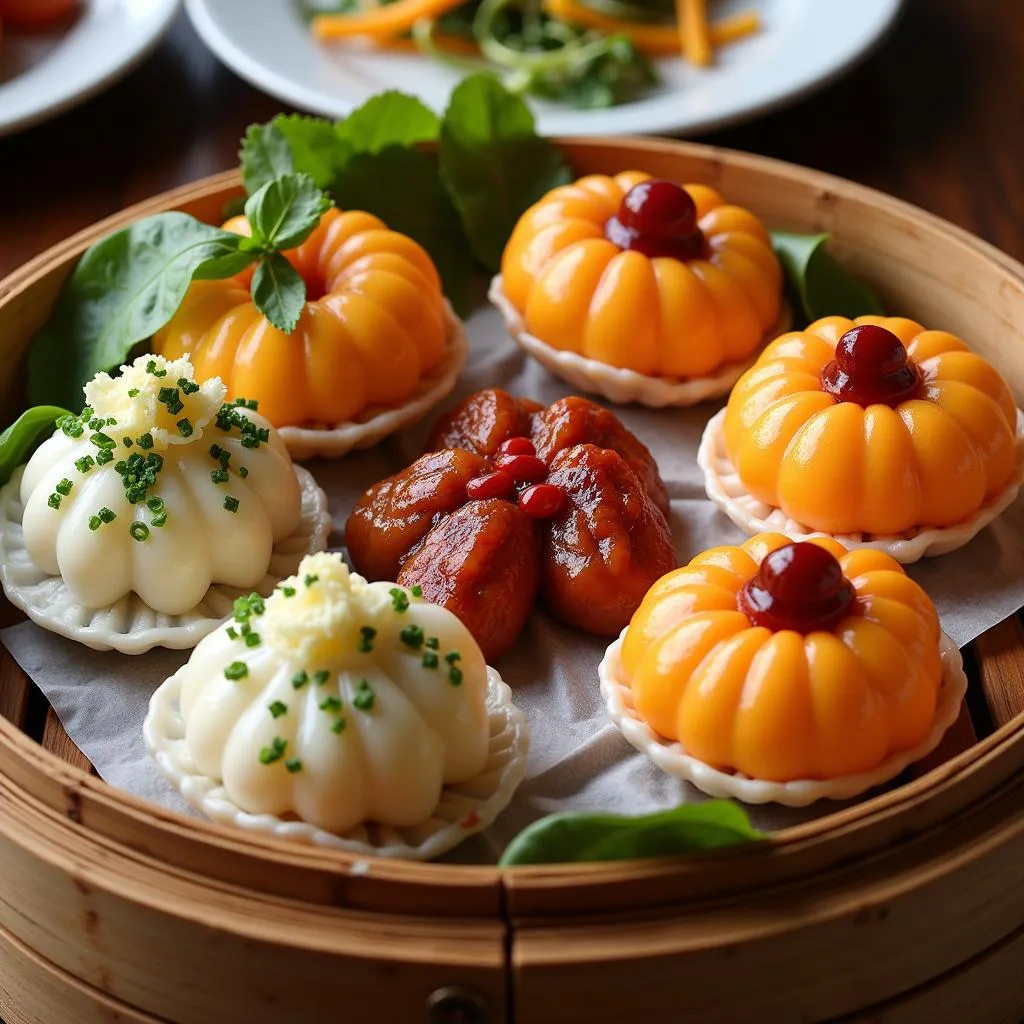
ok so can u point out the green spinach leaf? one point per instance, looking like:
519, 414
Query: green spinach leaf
576, 837
20, 439
316, 148
285, 211
125, 288
388, 119
494, 164
279, 292
817, 283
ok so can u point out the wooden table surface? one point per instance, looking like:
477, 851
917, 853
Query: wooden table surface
932, 117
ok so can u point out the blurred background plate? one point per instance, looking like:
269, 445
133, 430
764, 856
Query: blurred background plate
44, 72
804, 44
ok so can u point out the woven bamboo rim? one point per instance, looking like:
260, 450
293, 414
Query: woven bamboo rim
907, 904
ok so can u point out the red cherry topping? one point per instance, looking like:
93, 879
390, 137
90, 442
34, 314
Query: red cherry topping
522, 468
871, 367
517, 446
799, 587
657, 218
491, 485
541, 501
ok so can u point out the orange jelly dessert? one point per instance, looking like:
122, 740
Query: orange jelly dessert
874, 426
643, 274
374, 324
786, 661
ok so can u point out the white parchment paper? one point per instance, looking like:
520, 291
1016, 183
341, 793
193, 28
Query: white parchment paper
577, 759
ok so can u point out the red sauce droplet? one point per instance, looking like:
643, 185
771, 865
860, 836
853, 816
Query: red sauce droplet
799, 587
871, 367
491, 485
657, 218
541, 501
517, 446
522, 468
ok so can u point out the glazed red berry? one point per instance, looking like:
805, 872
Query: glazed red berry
522, 468
517, 446
541, 501
657, 218
871, 367
799, 587
491, 485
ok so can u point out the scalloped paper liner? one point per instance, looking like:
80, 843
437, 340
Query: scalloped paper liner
130, 625
671, 758
378, 422
726, 490
618, 385
464, 809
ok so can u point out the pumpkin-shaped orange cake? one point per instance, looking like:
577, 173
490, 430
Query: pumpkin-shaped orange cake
787, 661
644, 275
374, 327
872, 427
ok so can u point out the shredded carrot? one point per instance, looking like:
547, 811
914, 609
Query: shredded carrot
654, 40
692, 18
392, 19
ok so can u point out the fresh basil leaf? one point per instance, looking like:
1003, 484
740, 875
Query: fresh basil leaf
817, 283
316, 148
231, 263
494, 164
403, 187
265, 155
388, 119
285, 210
574, 837
123, 290
279, 292
20, 439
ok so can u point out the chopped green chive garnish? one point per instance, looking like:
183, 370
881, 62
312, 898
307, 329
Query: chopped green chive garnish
433, 643
231, 504
145, 442
85, 463
160, 520
155, 505
310, 579
232, 632
268, 755
246, 607
236, 670
430, 660
151, 366
321, 677
95, 523
455, 675
288, 591
330, 704
452, 656
102, 440
139, 531
412, 636
364, 697
417, 591
71, 425
111, 422
133, 392
243, 472
366, 635
169, 397
299, 680
188, 387
127, 441
185, 427
338, 725
293, 764
252, 639
278, 708
64, 487
399, 599
53, 500
219, 476
106, 516
104, 456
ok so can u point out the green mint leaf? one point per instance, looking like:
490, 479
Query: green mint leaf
817, 284
229, 264
316, 148
279, 292
403, 187
494, 163
124, 289
285, 210
20, 439
575, 837
265, 155
388, 119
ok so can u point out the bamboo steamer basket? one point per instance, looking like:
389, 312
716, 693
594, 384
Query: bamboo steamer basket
907, 907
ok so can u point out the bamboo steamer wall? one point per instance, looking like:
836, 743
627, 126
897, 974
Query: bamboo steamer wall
908, 907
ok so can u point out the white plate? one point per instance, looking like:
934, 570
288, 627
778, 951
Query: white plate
803, 44
44, 73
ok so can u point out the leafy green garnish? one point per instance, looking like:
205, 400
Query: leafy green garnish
403, 187
279, 292
818, 285
265, 155
315, 148
19, 440
388, 119
285, 210
494, 163
576, 837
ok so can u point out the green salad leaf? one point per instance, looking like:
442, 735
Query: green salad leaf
20, 439
403, 187
574, 837
265, 155
284, 212
279, 292
123, 290
818, 284
388, 119
494, 163
315, 146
